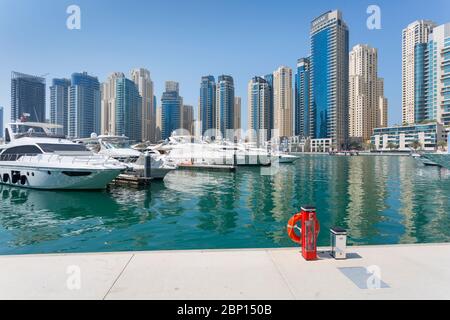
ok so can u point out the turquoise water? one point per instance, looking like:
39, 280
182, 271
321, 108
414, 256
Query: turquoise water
380, 200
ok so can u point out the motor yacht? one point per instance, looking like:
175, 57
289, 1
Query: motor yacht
118, 147
441, 159
33, 157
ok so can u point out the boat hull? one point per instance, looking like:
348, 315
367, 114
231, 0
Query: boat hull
57, 178
440, 159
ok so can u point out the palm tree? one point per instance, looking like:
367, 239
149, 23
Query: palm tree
391, 146
442, 144
415, 145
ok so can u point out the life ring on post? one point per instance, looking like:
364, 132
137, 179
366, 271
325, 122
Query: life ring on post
292, 225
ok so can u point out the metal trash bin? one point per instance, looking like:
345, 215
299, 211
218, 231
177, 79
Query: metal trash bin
338, 243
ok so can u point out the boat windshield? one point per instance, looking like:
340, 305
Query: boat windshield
50, 148
116, 144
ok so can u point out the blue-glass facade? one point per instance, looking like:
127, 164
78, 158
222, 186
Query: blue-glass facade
269, 80
84, 106
27, 97
171, 108
128, 109
302, 91
329, 79
59, 104
225, 104
259, 92
1, 122
420, 112
207, 103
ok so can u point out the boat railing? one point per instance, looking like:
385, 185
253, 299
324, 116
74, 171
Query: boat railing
39, 158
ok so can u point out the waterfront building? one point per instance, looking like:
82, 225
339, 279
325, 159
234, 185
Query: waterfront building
258, 114
269, 79
158, 123
84, 116
401, 138
59, 104
282, 101
366, 97
1, 122
237, 116
141, 77
302, 91
128, 110
437, 75
224, 105
207, 104
329, 78
27, 97
188, 118
414, 41
108, 103
171, 109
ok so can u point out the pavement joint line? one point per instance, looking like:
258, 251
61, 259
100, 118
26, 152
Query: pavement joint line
286, 282
118, 277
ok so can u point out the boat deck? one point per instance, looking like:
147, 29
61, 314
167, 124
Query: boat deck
406, 272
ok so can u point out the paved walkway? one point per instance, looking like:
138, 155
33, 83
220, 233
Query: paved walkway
399, 272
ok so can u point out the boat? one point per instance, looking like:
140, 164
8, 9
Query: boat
441, 159
282, 157
33, 157
118, 147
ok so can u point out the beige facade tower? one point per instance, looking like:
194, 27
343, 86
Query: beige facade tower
283, 101
365, 92
108, 104
141, 77
416, 33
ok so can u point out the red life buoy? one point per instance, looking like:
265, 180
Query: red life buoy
292, 225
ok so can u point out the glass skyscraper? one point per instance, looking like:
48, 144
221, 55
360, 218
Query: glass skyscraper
171, 110
302, 90
225, 105
269, 80
1, 122
128, 109
207, 106
84, 106
259, 109
329, 78
59, 104
27, 97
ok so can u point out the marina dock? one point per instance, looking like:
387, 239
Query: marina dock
402, 272
205, 167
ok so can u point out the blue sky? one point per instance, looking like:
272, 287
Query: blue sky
182, 40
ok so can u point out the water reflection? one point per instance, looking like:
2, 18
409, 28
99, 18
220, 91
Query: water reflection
378, 199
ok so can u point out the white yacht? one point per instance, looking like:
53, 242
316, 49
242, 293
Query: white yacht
32, 157
118, 147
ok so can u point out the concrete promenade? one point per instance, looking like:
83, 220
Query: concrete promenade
406, 272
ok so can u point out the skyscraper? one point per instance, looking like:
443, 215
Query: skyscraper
27, 97
329, 78
158, 122
108, 104
59, 104
302, 91
171, 110
237, 113
382, 115
1, 122
207, 104
282, 101
366, 92
437, 75
258, 114
224, 105
84, 106
141, 78
188, 118
414, 40
269, 79
128, 109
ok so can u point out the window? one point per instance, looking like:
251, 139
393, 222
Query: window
50, 148
14, 153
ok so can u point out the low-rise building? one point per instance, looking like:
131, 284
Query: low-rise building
401, 138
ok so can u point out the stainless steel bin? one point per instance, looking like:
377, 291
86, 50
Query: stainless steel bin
338, 243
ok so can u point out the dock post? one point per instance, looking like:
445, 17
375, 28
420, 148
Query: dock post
147, 165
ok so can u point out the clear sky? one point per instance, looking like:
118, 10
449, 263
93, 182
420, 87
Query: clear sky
182, 40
